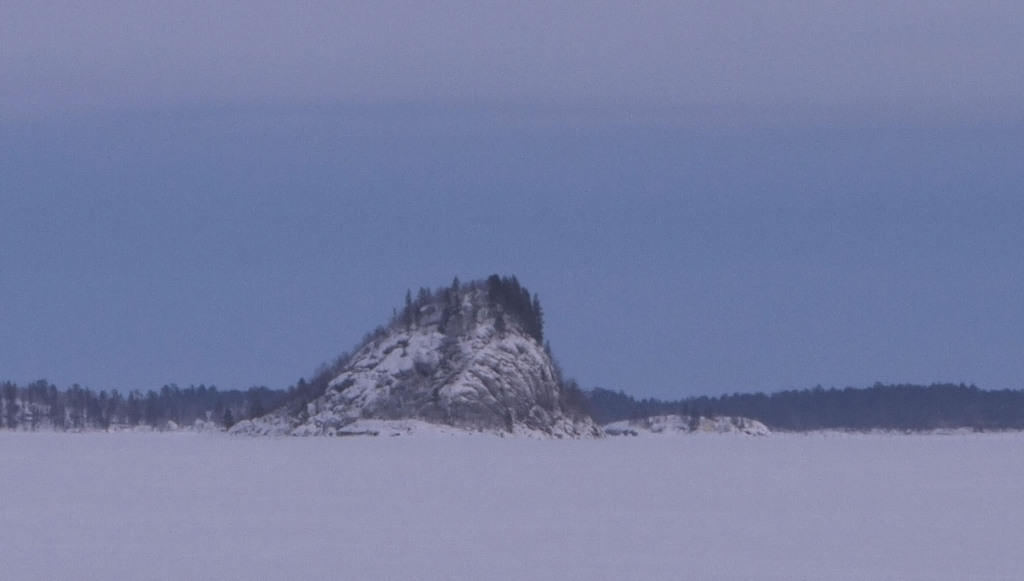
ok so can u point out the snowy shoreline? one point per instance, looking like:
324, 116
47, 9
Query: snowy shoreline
407, 429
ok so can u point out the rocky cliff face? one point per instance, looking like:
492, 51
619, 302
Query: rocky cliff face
465, 358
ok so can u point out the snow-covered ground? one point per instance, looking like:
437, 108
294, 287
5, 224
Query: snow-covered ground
208, 506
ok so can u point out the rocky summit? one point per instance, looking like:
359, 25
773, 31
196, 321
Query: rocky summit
463, 358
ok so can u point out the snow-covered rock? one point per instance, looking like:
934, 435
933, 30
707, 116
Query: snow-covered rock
459, 359
677, 424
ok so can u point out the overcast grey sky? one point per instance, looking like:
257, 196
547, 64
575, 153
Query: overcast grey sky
708, 197
909, 57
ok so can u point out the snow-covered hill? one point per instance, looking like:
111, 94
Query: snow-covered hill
676, 424
467, 357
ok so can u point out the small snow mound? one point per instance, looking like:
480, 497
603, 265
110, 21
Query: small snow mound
201, 425
268, 425
677, 424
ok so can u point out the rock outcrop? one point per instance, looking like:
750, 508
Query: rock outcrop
676, 424
466, 358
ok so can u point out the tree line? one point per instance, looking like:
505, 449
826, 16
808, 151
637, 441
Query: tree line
512, 300
41, 405
515, 299
883, 407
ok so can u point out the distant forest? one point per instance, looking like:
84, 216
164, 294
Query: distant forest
42, 406
881, 407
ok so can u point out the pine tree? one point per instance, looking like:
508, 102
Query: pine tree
407, 312
257, 408
10, 404
538, 319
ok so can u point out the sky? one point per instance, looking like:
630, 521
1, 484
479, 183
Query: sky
708, 197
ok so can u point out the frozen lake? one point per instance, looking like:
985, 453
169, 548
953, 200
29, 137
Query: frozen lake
816, 507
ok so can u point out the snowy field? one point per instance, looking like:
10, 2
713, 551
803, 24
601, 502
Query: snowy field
193, 506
